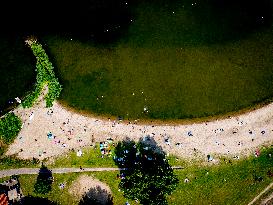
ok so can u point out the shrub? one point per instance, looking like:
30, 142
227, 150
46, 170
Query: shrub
45, 75
10, 125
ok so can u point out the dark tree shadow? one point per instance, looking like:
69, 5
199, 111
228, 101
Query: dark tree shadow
125, 153
97, 196
128, 153
32, 200
44, 181
148, 176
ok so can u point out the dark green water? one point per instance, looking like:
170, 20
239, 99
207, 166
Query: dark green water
192, 58
17, 68
189, 58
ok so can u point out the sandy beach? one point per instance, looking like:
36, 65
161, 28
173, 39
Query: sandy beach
236, 136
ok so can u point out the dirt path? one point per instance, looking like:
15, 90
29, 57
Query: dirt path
264, 191
268, 200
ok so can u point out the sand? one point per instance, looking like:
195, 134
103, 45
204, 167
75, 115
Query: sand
235, 136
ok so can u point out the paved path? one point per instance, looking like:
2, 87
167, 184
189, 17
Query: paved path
257, 197
10, 172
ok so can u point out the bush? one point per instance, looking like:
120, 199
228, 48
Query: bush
10, 125
54, 91
45, 75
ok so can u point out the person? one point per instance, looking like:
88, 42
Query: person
257, 153
79, 153
31, 116
210, 158
61, 186
167, 141
18, 100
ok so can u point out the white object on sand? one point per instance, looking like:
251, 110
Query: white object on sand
18, 100
31, 116
79, 153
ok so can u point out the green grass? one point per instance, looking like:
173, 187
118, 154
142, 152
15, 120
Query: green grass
12, 162
225, 183
91, 158
63, 196
189, 64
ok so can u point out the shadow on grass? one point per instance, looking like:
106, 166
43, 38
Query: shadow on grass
12, 161
32, 200
97, 196
44, 181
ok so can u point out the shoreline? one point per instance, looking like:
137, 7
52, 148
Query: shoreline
234, 136
172, 122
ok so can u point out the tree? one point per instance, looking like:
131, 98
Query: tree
148, 177
44, 181
10, 126
45, 75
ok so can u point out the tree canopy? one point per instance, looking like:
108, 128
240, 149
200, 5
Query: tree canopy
10, 126
45, 75
148, 177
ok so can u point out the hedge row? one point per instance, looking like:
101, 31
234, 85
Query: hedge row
45, 75
10, 126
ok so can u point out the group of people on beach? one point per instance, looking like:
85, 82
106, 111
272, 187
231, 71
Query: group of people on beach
71, 130
106, 147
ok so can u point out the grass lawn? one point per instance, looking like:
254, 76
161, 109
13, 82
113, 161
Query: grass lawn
194, 62
91, 158
12, 162
225, 183
63, 196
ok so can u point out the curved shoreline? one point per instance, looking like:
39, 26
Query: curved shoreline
182, 121
238, 135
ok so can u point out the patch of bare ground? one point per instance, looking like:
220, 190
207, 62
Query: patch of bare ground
88, 190
268, 200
